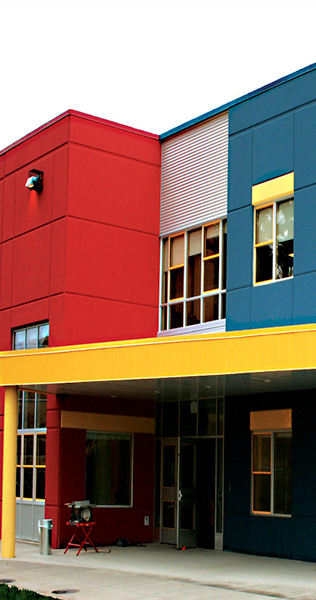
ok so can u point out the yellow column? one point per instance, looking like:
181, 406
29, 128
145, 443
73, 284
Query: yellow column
9, 472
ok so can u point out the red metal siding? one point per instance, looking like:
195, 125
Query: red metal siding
35, 146
83, 254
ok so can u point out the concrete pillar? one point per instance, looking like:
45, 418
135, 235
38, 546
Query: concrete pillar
9, 472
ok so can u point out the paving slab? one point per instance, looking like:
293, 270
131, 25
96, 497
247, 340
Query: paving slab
158, 572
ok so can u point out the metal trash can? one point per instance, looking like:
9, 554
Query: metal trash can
45, 527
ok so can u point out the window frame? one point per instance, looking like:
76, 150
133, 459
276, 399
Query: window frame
166, 303
131, 436
27, 328
272, 433
36, 430
274, 204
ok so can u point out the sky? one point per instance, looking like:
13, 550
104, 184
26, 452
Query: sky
149, 64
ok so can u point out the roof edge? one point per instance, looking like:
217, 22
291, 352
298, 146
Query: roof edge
228, 105
81, 115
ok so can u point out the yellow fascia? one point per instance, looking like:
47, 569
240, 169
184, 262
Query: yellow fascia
275, 349
274, 189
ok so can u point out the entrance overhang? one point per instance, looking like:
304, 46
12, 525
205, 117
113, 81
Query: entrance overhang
251, 361
254, 361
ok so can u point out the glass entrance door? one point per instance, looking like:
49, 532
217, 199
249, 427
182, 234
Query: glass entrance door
187, 495
169, 490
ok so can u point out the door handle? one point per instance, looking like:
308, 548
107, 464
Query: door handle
180, 495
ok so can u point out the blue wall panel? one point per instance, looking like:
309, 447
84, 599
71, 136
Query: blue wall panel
238, 309
239, 248
305, 146
273, 149
304, 299
280, 127
276, 536
271, 304
304, 230
276, 101
240, 171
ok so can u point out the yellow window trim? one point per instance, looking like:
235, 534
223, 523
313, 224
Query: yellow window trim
273, 420
274, 189
211, 257
261, 244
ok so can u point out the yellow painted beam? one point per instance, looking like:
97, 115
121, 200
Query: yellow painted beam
101, 422
9, 472
252, 351
274, 189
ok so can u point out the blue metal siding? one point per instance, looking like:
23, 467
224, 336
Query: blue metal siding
276, 536
305, 146
305, 231
240, 171
239, 242
238, 309
273, 149
280, 137
274, 102
271, 304
304, 299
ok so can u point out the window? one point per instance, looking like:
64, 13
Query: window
274, 241
31, 337
31, 449
272, 468
109, 469
193, 282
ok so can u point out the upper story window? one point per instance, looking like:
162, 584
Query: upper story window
193, 280
35, 336
274, 229
274, 241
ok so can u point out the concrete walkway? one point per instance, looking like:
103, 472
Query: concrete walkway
158, 572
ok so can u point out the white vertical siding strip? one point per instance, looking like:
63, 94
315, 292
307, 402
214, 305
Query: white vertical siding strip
194, 176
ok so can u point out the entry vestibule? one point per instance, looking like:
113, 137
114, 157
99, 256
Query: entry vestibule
189, 473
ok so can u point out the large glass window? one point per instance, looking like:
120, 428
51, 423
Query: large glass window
109, 469
274, 241
193, 281
272, 473
31, 449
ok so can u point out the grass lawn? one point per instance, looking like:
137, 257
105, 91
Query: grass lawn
13, 593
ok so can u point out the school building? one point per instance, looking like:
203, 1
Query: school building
158, 327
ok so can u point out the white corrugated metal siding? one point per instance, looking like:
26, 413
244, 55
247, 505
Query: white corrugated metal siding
194, 176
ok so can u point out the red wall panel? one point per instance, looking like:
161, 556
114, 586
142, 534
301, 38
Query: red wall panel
92, 320
52, 491
111, 522
6, 275
8, 208
31, 312
1, 208
114, 190
73, 465
60, 182
37, 145
2, 163
31, 266
32, 209
111, 262
5, 330
56, 320
58, 256
116, 138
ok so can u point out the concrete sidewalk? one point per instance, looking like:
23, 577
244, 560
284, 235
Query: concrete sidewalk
158, 572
